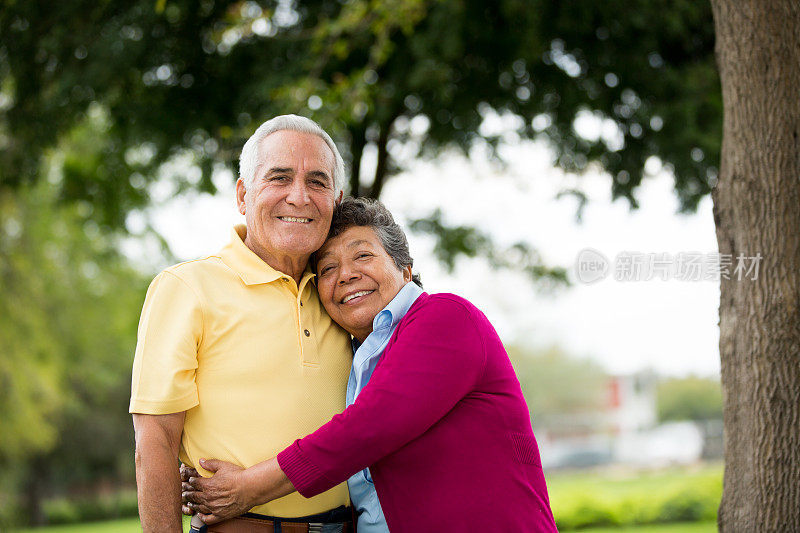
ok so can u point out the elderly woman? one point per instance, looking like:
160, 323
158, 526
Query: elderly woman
435, 412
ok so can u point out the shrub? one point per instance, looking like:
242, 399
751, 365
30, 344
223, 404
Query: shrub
121, 504
691, 506
620, 499
61, 511
589, 513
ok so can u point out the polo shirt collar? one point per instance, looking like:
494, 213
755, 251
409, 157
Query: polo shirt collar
250, 268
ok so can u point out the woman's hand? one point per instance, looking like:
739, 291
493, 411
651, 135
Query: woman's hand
186, 473
222, 496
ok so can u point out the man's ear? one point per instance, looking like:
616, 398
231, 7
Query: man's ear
240, 192
338, 200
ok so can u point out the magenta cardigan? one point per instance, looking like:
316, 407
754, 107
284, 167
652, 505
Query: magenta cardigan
443, 427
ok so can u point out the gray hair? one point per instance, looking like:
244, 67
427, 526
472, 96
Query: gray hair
366, 212
249, 160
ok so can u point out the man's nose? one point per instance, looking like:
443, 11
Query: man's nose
298, 194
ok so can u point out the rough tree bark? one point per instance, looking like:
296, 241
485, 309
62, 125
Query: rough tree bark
757, 210
358, 140
382, 165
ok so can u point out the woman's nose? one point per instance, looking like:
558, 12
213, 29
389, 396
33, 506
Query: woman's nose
347, 274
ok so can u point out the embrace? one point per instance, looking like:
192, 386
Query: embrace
305, 355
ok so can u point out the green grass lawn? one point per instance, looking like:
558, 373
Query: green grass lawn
128, 525
622, 497
132, 526
694, 527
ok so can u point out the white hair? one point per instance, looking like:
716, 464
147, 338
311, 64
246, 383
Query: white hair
249, 160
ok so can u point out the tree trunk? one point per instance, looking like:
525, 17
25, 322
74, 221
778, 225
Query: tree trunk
757, 210
34, 491
382, 165
357, 142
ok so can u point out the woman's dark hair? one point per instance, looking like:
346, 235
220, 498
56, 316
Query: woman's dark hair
366, 212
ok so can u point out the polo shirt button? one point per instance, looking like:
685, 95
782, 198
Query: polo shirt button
301, 304
285, 279
308, 333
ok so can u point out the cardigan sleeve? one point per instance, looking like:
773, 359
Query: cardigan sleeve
436, 359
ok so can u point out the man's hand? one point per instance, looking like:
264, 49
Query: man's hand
158, 484
232, 490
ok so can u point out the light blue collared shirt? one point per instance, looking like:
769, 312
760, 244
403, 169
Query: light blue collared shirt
362, 490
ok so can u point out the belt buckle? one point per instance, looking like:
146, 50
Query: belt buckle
315, 527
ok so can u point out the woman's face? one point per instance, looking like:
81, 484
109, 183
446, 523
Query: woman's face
356, 279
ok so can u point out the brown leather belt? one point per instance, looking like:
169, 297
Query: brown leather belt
245, 524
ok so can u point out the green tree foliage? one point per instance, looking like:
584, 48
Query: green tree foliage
691, 398
69, 304
406, 78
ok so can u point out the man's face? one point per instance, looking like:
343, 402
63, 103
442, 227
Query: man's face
289, 205
356, 279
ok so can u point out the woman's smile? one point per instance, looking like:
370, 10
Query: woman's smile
354, 298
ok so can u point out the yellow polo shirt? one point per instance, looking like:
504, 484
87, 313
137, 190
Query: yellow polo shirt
253, 359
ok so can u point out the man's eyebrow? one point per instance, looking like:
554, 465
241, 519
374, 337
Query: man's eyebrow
278, 170
318, 174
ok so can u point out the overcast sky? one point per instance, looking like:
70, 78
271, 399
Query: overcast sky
670, 326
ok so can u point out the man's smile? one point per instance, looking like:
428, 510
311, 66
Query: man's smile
297, 220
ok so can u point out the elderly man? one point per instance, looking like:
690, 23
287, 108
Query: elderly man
236, 358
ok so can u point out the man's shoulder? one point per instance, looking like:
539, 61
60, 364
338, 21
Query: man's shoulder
196, 270
188, 283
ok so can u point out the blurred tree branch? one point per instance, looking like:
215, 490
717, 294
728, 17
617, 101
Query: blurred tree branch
183, 76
